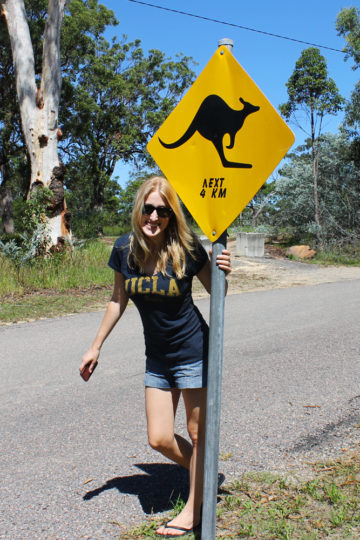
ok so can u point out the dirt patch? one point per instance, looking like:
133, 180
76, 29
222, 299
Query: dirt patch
276, 271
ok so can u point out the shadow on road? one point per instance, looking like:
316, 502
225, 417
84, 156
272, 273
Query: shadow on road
157, 490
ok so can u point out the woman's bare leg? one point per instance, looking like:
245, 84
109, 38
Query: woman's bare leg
195, 405
161, 408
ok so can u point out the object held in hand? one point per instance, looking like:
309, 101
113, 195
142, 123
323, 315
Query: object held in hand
86, 373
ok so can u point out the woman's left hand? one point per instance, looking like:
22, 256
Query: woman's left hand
223, 261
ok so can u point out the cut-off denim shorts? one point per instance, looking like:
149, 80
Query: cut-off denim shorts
177, 375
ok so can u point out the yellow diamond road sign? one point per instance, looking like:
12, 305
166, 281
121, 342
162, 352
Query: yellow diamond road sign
220, 143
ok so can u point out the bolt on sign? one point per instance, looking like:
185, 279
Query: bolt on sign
220, 143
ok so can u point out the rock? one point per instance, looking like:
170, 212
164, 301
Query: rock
302, 252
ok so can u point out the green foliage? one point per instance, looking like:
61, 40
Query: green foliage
257, 213
352, 123
336, 253
348, 26
35, 209
84, 23
120, 98
34, 240
11, 139
339, 192
127, 197
311, 88
12, 251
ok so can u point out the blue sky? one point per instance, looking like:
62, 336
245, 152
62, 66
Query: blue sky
268, 60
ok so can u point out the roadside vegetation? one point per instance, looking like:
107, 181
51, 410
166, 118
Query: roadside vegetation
323, 503
78, 279
67, 282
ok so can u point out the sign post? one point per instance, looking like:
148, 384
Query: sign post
213, 401
217, 148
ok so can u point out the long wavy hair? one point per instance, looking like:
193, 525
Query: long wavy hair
179, 239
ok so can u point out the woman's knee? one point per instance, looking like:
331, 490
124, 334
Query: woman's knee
160, 441
196, 433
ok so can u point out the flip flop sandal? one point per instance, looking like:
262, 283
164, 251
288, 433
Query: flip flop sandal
185, 532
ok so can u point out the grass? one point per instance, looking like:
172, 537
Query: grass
69, 282
81, 268
269, 506
51, 303
347, 257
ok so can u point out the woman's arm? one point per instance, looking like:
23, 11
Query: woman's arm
223, 262
115, 309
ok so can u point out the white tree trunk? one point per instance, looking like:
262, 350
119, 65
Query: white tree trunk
39, 106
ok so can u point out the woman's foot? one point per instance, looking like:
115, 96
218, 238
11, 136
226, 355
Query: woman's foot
180, 526
176, 531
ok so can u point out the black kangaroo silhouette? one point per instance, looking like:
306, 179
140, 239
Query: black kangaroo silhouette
213, 120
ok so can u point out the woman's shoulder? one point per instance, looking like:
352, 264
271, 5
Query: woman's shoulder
197, 257
198, 250
123, 242
119, 253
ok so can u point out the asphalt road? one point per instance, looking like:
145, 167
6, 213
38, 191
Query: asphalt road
74, 456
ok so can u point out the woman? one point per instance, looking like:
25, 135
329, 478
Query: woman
154, 266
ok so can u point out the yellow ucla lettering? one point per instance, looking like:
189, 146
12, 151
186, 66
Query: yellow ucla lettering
154, 286
173, 288
142, 290
133, 285
127, 285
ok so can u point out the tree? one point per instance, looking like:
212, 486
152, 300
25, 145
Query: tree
113, 97
39, 103
339, 191
348, 26
352, 122
120, 99
312, 91
34, 28
262, 202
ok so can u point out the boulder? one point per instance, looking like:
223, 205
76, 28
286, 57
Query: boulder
301, 252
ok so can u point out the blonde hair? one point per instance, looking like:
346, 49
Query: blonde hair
178, 237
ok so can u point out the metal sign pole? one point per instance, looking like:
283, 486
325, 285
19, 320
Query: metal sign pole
213, 405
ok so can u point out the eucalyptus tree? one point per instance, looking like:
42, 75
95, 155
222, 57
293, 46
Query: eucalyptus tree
35, 28
339, 190
312, 92
39, 103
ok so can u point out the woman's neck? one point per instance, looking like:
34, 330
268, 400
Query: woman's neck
155, 245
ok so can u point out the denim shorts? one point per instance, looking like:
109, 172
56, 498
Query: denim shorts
177, 375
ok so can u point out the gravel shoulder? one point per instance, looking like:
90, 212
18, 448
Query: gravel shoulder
276, 272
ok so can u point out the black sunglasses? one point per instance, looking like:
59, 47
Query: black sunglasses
162, 211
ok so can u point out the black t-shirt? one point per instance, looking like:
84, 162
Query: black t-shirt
174, 329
